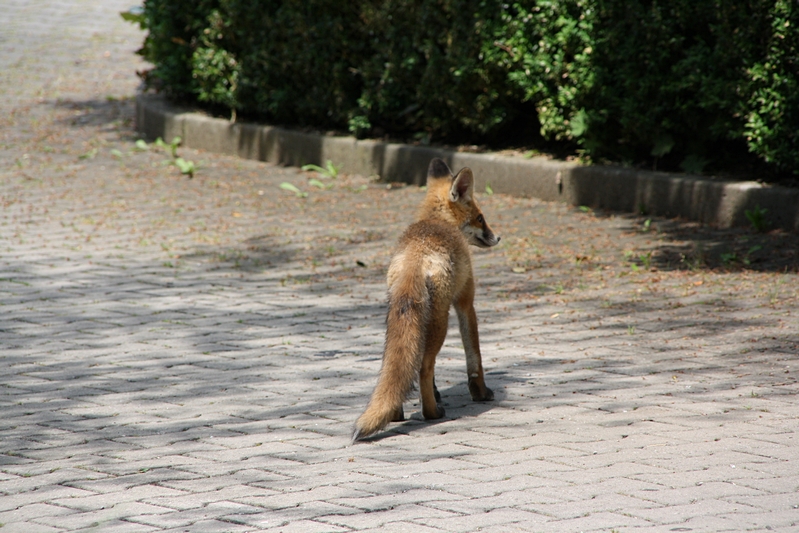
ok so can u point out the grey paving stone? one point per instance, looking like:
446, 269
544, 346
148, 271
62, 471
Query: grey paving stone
30, 527
677, 514
209, 526
27, 513
111, 518
403, 527
43, 495
380, 517
300, 526
505, 516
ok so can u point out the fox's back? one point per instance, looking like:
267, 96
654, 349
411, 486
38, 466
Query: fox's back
437, 250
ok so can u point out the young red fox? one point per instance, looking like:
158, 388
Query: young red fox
430, 271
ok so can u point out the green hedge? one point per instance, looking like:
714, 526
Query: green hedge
697, 84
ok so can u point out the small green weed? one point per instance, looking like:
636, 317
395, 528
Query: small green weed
171, 148
663, 145
645, 259
694, 164
286, 186
747, 258
732, 257
329, 171
757, 217
640, 261
729, 257
319, 185
186, 166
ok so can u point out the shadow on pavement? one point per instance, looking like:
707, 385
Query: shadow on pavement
133, 352
685, 245
110, 114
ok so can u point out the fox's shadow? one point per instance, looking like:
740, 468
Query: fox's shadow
456, 401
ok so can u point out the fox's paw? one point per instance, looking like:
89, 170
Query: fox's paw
435, 413
399, 415
480, 393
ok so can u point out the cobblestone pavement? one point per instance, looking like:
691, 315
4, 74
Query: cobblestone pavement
190, 354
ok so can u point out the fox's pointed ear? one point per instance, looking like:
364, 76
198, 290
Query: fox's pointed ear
438, 169
462, 186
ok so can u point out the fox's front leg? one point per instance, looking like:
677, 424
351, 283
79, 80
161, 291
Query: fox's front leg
467, 322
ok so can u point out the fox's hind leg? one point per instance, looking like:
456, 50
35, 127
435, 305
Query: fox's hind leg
398, 415
436, 332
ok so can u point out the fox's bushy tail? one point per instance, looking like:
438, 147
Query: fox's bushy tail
408, 313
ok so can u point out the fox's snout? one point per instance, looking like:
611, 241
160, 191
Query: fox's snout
487, 240
481, 237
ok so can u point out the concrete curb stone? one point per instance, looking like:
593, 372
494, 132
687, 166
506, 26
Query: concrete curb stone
710, 201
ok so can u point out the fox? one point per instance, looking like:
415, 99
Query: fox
430, 271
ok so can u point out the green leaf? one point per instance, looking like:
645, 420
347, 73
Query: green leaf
141, 145
729, 257
579, 123
159, 142
313, 168
286, 186
663, 145
330, 170
693, 164
489, 190
318, 184
173, 147
135, 15
757, 217
186, 167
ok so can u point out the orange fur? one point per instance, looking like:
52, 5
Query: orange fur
430, 271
